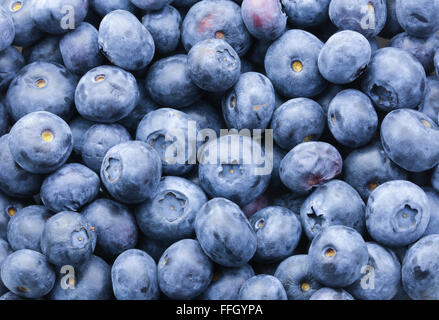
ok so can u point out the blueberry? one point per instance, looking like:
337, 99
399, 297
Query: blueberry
308, 165
213, 65
170, 214
430, 104
418, 17
131, 171
250, 103
392, 26
262, 287
8, 29
337, 255
70, 188
27, 273
80, 50
68, 239
296, 277
103, 7
365, 16
125, 41
98, 139
393, 85
220, 19
50, 15
264, 19
26, 32
164, 26
227, 282
167, 131
344, 57
408, 137
334, 203
8, 208
306, 13
367, 168
134, 276
79, 127
352, 118
184, 271
42, 86
229, 167
91, 281
433, 200
278, 231
384, 271
293, 59
25, 228
423, 49
225, 233
420, 269
40, 142
106, 94
296, 121
169, 83
397, 213
46, 50
331, 294
11, 61
115, 227
14, 180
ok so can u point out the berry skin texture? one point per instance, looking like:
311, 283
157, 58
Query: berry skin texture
264, 19
131, 172
125, 41
393, 85
214, 65
419, 267
397, 219
293, 59
224, 233
352, 118
344, 57
28, 274
406, 150
418, 18
337, 255
40, 142
309, 165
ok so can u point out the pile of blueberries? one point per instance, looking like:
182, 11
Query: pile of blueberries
103, 195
